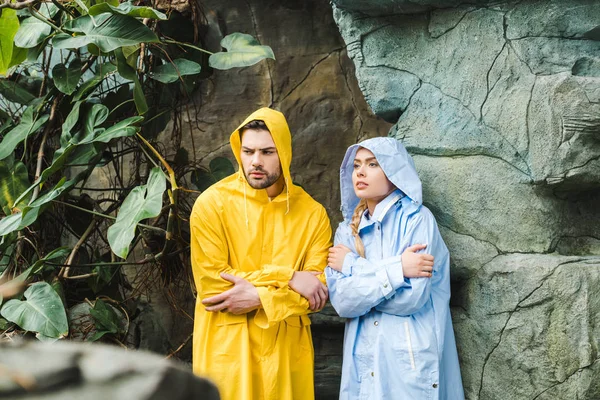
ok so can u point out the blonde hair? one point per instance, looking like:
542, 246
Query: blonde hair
358, 212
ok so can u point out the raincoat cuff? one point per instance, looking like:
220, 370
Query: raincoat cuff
349, 260
393, 268
260, 318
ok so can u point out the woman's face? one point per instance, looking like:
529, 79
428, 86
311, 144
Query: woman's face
368, 179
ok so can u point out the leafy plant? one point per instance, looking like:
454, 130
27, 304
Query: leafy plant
86, 86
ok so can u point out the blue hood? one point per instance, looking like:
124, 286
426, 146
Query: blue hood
396, 163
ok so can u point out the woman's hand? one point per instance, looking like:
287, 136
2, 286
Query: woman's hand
416, 265
336, 256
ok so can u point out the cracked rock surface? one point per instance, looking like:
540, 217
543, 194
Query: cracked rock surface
499, 103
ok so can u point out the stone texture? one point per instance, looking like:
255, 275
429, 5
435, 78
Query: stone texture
68, 370
500, 105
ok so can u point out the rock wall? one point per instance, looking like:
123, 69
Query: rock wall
499, 102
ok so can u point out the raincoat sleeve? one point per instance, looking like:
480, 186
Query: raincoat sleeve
210, 259
415, 292
363, 285
283, 302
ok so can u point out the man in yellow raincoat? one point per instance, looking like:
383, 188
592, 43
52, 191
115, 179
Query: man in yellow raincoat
258, 243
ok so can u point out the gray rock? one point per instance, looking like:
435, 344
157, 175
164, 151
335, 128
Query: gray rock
69, 370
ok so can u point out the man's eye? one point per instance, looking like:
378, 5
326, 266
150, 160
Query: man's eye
247, 152
268, 152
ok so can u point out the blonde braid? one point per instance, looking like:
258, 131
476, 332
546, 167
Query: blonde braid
358, 213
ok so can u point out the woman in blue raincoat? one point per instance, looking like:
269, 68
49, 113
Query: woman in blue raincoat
399, 343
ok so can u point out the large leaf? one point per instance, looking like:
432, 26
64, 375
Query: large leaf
123, 128
242, 51
9, 25
29, 124
90, 85
12, 91
129, 72
66, 79
14, 180
127, 9
33, 30
42, 312
142, 202
219, 168
170, 72
109, 33
31, 212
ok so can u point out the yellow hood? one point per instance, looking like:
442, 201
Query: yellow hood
280, 131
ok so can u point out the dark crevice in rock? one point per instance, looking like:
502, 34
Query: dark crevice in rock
511, 313
253, 18
308, 73
416, 151
358, 114
527, 129
521, 59
552, 37
579, 370
213, 151
471, 236
487, 82
467, 12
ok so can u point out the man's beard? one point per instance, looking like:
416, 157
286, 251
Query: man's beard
264, 183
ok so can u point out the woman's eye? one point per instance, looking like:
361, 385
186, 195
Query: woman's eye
356, 166
373, 164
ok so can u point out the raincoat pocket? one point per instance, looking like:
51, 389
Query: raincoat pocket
230, 319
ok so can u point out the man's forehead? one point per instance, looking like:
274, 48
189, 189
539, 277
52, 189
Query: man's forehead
257, 138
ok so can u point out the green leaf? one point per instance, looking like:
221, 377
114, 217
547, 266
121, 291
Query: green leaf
88, 87
33, 31
121, 129
14, 180
9, 25
93, 119
109, 33
142, 202
128, 72
12, 91
30, 213
139, 98
69, 124
18, 56
127, 9
29, 124
66, 79
105, 318
219, 168
242, 51
171, 72
42, 312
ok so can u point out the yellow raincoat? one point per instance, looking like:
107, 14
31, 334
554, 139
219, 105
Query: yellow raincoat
267, 353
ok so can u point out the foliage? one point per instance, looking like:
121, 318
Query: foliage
85, 88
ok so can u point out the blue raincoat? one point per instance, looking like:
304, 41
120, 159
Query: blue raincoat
398, 343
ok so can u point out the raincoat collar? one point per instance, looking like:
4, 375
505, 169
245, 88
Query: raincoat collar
381, 209
282, 137
397, 165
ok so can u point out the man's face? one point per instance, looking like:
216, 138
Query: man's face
260, 160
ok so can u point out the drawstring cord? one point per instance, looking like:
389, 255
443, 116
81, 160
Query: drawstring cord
287, 196
245, 202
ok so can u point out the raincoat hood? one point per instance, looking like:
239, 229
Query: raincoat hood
282, 137
395, 162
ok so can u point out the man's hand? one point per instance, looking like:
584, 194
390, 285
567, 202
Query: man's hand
306, 284
416, 265
336, 256
240, 299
